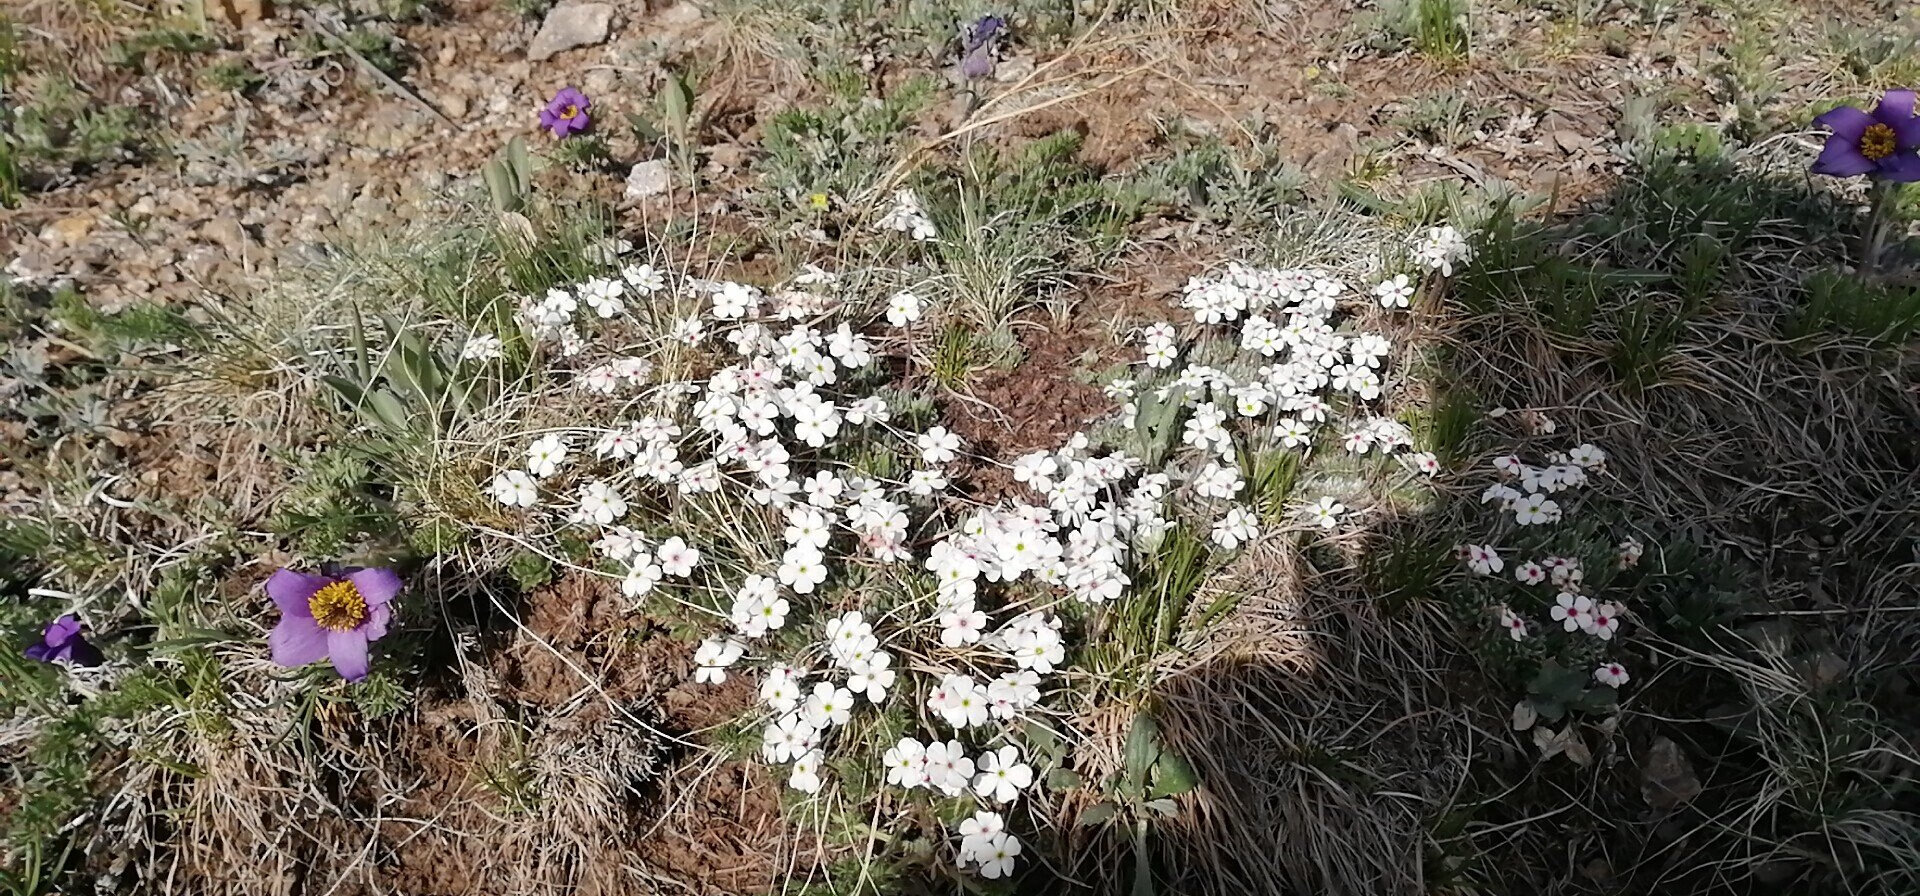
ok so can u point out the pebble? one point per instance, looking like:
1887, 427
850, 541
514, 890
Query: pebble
568, 26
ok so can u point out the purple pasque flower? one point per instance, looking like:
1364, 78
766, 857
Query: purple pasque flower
1884, 143
976, 47
566, 113
331, 617
61, 643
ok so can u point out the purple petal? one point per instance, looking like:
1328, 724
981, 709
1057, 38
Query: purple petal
349, 651
62, 630
977, 64
1903, 168
375, 627
40, 653
297, 641
80, 653
1846, 121
377, 584
549, 116
1896, 111
291, 590
1841, 158
1897, 105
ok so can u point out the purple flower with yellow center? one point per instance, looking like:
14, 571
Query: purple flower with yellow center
976, 49
1884, 143
61, 643
331, 617
566, 113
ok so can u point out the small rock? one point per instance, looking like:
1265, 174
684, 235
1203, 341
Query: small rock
568, 26
68, 231
1667, 778
649, 179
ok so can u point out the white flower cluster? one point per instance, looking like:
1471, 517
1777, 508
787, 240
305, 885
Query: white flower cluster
1532, 503
907, 217
1441, 249
1572, 608
1292, 372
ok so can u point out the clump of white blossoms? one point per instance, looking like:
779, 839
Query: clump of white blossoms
732, 475
1528, 492
906, 216
1280, 368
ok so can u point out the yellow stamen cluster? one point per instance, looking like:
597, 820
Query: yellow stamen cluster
338, 607
570, 112
1877, 142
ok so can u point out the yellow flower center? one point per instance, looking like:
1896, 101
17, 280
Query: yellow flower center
1877, 142
338, 607
571, 111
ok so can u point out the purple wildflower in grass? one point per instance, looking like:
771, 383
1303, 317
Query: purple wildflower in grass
976, 50
1884, 143
566, 113
61, 643
331, 617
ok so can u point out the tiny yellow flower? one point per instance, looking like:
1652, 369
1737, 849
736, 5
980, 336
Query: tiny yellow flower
819, 201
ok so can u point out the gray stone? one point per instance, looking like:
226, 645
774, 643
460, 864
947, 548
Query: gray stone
571, 25
649, 179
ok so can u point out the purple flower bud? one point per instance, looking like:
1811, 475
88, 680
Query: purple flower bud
976, 47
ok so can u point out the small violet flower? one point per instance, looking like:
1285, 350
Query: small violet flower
61, 643
1884, 143
331, 617
566, 113
976, 47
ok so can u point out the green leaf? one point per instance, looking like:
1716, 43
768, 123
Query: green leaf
1164, 806
519, 168
1098, 813
353, 392
676, 103
1061, 780
386, 410
1143, 747
1173, 775
362, 368
1597, 700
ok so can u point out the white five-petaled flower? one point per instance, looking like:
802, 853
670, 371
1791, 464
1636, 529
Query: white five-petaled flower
1002, 775
1483, 559
676, 557
1587, 456
1535, 510
1529, 573
938, 446
546, 454
1326, 512
600, 503
1516, 627
712, 658
514, 488
1612, 675
1604, 621
1572, 611
997, 857
1394, 292
903, 309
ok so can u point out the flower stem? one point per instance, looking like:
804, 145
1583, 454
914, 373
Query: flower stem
1879, 220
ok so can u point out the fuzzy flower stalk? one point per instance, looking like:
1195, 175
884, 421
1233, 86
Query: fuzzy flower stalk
325, 617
